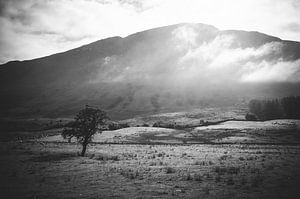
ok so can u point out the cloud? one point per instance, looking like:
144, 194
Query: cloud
217, 60
185, 61
51, 26
138, 5
185, 36
296, 3
281, 71
56, 25
293, 27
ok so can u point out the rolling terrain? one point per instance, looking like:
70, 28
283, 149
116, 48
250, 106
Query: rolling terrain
181, 93
283, 132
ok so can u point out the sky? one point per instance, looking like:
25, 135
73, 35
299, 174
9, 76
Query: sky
36, 28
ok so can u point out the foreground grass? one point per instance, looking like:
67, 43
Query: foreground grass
49, 170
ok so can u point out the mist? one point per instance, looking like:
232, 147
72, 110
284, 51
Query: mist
197, 57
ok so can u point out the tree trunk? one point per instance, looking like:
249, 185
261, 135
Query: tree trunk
83, 148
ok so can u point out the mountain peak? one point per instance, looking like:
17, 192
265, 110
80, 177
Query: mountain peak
169, 68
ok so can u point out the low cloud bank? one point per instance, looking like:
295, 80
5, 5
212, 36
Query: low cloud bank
187, 61
219, 59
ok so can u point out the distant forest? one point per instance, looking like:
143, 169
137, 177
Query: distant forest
284, 108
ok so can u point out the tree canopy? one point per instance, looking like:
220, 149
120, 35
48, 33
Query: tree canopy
88, 122
285, 108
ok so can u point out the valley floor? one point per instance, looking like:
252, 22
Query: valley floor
230, 132
53, 170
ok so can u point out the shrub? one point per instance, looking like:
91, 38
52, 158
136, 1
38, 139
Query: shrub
198, 177
257, 181
199, 163
206, 190
131, 174
161, 154
220, 170
233, 170
224, 157
230, 181
241, 158
218, 178
105, 157
152, 164
170, 170
115, 125
188, 177
251, 117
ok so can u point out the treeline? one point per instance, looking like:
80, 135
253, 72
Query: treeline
285, 108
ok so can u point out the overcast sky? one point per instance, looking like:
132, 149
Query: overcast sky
35, 28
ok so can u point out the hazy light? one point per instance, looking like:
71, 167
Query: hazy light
33, 28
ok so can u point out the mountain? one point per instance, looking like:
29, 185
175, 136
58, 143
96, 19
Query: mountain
170, 68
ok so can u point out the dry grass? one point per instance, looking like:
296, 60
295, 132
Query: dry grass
33, 170
275, 131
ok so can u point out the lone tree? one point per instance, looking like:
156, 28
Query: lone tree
88, 121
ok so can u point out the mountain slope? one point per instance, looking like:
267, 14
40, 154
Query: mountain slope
170, 68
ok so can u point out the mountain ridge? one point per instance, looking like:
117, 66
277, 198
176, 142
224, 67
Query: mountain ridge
169, 68
119, 37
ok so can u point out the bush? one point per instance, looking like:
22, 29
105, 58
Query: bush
251, 117
230, 181
130, 173
188, 177
257, 181
164, 125
198, 177
115, 126
218, 178
170, 170
105, 157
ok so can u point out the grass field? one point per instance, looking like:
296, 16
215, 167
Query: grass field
224, 158
53, 170
268, 132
